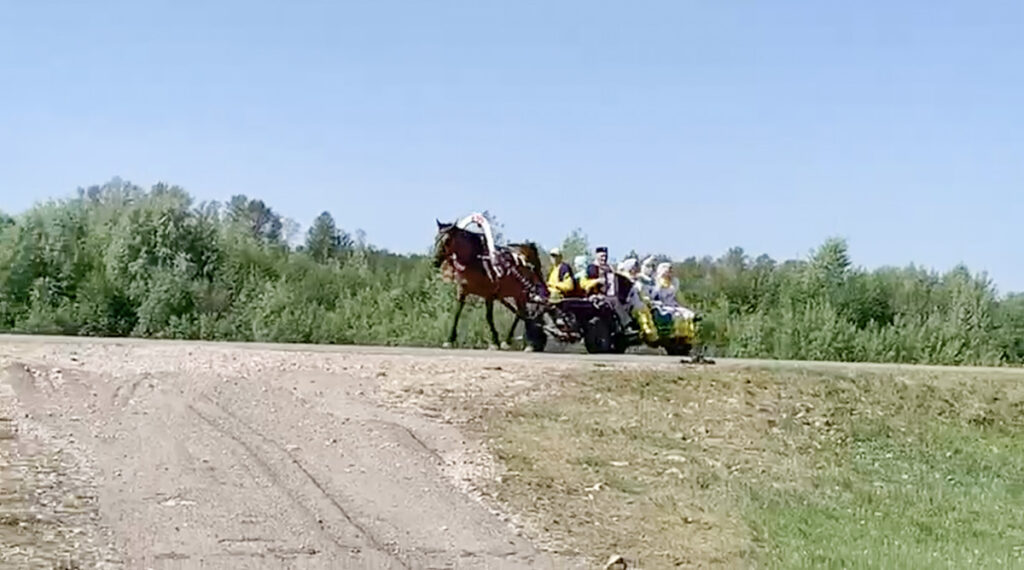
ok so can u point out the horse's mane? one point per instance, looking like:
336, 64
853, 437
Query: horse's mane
531, 252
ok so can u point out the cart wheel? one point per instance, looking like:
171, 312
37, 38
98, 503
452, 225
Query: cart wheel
535, 337
597, 336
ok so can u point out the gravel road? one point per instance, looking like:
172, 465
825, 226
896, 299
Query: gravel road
149, 454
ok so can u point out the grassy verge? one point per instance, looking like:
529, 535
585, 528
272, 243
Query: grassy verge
775, 467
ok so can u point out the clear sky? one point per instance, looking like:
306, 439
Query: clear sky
682, 127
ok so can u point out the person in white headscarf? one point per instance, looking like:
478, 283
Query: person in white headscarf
628, 267
645, 280
579, 265
635, 300
663, 294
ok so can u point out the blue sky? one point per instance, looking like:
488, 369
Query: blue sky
682, 127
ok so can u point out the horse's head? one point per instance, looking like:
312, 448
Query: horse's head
451, 240
442, 242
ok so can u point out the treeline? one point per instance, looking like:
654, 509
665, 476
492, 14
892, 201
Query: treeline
118, 260
824, 308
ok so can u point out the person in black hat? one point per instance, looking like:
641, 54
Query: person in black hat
604, 269
601, 280
600, 275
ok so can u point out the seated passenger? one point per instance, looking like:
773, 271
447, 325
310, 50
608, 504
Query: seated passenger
636, 300
663, 294
591, 283
561, 281
645, 280
628, 267
600, 275
579, 265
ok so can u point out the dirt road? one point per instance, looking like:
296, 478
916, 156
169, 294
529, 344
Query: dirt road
160, 454
136, 454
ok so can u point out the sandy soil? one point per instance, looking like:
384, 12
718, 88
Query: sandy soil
194, 455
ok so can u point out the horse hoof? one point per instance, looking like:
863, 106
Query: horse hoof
528, 349
446, 345
491, 347
504, 346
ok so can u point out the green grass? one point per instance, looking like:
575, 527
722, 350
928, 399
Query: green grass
780, 467
948, 497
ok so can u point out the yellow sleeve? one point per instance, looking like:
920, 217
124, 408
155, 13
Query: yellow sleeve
588, 284
554, 283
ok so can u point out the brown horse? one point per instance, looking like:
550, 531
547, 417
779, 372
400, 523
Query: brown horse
463, 256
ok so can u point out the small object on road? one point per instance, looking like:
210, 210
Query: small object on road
616, 562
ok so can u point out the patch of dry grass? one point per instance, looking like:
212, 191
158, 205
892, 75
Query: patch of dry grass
774, 467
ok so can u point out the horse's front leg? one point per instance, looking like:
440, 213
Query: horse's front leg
455, 323
490, 323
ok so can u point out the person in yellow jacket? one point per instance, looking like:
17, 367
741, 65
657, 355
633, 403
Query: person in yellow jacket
561, 280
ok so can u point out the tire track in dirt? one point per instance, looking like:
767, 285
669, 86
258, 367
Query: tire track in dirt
302, 488
49, 511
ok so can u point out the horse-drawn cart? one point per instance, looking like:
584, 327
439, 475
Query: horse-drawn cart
592, 320
511, 276
595, 321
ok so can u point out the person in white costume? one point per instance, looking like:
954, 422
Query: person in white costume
492, 253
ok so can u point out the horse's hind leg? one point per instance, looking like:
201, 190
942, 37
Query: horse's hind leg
455, 323
490, 323
512, 330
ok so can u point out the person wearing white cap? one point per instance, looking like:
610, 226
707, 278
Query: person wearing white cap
561, 280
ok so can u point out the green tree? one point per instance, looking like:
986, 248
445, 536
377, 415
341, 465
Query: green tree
324, 240
258, 218
574, 244
830, 264
122, 260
